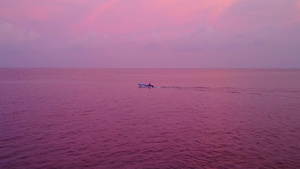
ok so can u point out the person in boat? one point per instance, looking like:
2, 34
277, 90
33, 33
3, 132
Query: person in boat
150, 85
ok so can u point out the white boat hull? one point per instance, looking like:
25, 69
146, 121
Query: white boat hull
145, 85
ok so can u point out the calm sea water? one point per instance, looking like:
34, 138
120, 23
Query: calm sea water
193, 118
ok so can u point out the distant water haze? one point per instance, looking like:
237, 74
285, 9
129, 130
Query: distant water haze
192, 118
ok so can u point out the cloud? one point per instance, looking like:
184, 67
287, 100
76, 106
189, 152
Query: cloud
12, 34
86, 40
119, 31
127, 17
297, 3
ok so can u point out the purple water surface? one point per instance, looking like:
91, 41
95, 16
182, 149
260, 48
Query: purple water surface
193, 118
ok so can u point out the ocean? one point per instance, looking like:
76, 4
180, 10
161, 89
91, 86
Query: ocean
192, 118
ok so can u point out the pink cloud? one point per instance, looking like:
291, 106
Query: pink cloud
187, 11
101, 8
149, 15
188, 31
298, 4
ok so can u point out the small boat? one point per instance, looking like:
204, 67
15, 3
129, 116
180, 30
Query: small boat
145, 85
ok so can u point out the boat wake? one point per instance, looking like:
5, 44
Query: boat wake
233, 90
185, 88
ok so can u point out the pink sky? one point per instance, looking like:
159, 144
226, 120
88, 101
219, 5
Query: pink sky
150, 33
